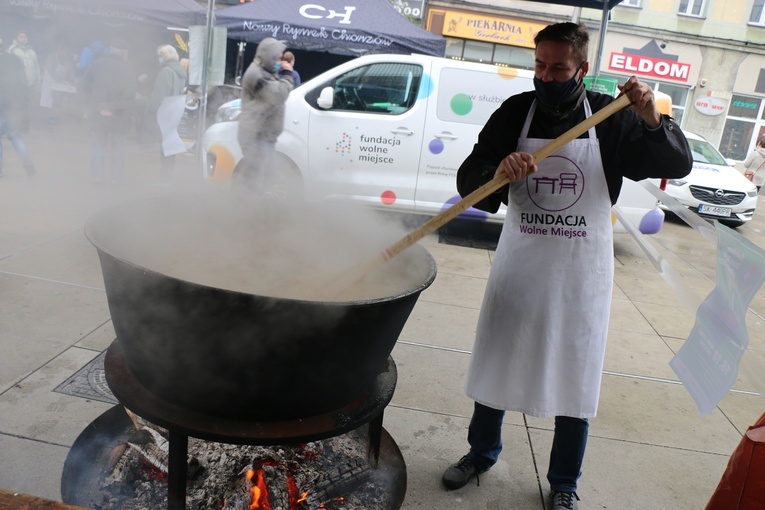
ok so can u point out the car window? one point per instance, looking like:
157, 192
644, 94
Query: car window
385, 88
704, 152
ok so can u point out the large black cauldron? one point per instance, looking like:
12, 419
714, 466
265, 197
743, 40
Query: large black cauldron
232, 353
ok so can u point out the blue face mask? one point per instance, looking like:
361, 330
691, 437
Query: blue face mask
553, 93
277, 67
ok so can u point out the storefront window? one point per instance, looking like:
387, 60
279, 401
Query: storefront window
478, 51
454, 47
677, 93
735, 139
514, 56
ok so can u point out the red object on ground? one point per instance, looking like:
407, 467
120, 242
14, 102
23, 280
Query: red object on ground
742, 486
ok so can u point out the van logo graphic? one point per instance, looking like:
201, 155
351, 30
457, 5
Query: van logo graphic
343, 147
557, 186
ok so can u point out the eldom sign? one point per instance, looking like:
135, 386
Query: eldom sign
649, 66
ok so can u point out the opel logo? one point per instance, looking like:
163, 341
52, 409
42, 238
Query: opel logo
719, 193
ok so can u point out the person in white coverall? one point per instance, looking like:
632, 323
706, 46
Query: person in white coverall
541, 334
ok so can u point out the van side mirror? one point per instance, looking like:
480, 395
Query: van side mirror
325, 98
731, 162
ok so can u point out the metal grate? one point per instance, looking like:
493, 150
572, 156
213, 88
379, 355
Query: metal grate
89, 382
716, 196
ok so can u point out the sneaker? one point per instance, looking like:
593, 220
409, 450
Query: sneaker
458, 475
564, 501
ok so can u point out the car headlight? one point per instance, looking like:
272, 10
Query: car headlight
752, 192
677, 182
227, 114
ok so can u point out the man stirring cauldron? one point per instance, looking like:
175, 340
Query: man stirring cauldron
541, 334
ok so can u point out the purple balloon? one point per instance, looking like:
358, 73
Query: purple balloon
652, 221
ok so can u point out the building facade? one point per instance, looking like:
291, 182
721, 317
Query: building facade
707, 55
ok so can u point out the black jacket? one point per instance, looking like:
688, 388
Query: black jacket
627, 147
13, 88
111, 84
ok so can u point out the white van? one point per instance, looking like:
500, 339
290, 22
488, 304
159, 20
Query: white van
389, 131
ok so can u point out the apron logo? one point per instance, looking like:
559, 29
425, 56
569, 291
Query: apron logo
557, 186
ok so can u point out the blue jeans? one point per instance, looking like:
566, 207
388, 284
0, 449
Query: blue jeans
12, 134
569, 443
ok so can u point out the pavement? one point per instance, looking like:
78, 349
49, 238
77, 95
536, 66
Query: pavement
648, 448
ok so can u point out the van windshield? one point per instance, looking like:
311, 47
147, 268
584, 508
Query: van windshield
378, 88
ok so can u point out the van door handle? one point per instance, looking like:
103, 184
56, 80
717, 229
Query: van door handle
446, 136
402, 131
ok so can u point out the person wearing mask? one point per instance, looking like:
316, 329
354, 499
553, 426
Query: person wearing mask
289, 57
754, 164
265, 87
541, 333
12, 96
110, 84
167, 103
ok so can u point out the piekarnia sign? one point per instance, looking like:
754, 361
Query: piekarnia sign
647, 66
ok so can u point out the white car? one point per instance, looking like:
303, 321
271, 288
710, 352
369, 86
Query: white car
714, 189
390, 131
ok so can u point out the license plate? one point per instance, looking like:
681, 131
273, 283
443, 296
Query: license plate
714, 210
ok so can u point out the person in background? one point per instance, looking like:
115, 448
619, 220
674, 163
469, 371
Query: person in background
290, 59
754, 164
22, 50
12, 96
110, 84
58, 82
265, 87
541, 334
170, 83
95, 49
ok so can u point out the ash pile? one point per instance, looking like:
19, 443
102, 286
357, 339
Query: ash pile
332, 474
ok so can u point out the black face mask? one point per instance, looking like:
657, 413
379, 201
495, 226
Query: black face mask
553, 93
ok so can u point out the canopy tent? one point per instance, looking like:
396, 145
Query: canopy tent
343, 27
159, 13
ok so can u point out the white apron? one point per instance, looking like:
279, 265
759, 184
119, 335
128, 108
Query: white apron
541, 333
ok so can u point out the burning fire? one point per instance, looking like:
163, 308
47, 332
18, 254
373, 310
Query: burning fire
259, 499
258, 491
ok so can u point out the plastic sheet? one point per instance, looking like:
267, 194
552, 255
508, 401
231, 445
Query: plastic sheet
749, 368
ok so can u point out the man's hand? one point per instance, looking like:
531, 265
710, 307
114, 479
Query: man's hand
643, 102
517, 166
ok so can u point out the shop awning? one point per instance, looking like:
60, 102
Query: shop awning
343, 27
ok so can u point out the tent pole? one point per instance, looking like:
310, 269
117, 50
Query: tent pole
601, 40
202, 119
